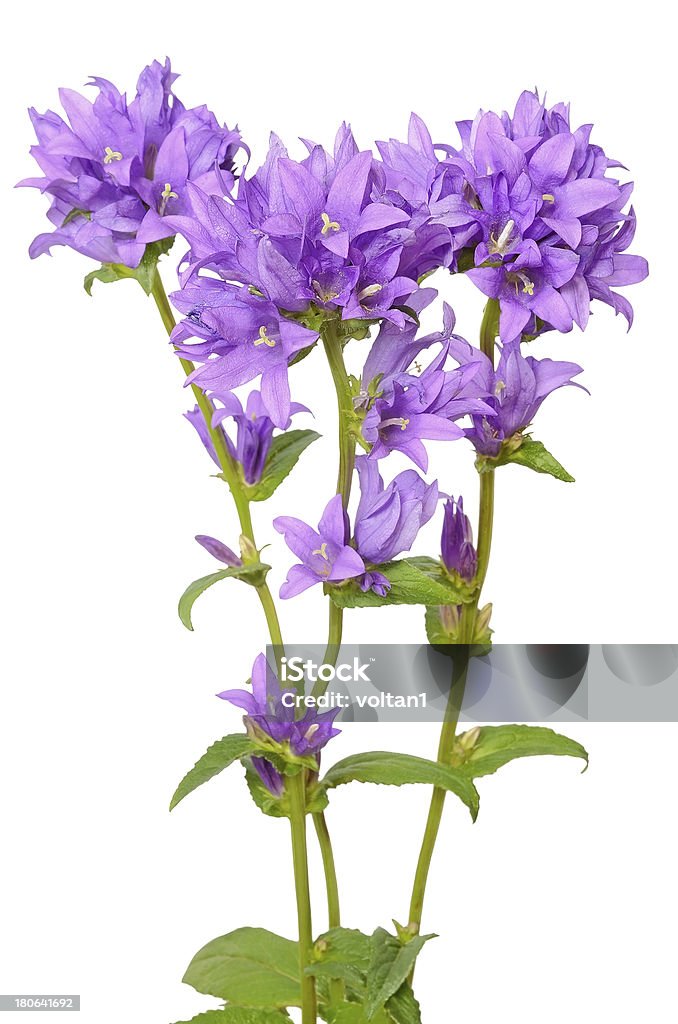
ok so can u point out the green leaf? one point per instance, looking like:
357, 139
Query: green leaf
388, 769
107, 274
413, 581
342, 953
346, 972
402, 1007
344, 946
282, 458
247, 573
354, 1013
534, 455
250, 966
496, 745
232, 1014
217, 757
390, 964
529, 453
144, 273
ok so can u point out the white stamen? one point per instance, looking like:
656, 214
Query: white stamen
111, 154
264, 339
328, 225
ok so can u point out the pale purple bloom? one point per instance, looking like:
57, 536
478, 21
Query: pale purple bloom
244, 336
266, 713
527, 204
604, 265
456, 542
117, 172
388, 519
254, 430
307, 232
517, 388
325, 554
409, 409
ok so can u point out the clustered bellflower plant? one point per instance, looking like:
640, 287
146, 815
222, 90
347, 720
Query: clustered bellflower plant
302, 258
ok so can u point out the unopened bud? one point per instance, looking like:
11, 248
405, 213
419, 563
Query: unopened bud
468, 740
482, 628
449, 618
248, 552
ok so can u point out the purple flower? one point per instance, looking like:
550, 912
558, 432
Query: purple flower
528, 288
409, 409
376, 582
325, 555
308, 233
254, 430
117, 172
270, 713
245, 337
388, 519
517, 388
603, 266
527, 205
459, 554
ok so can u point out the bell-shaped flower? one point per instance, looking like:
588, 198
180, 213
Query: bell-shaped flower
325, 555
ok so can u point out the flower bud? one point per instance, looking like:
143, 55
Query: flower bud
248, 551
456, 542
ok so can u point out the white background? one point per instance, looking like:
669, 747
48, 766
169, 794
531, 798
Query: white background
559, 904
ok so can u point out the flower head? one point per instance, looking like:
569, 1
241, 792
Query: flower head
267, 713
308, 234
528, 205
117, 172
325, 554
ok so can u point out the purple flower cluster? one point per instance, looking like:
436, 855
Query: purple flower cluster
529, 211
268, 716
117, 171
525, 204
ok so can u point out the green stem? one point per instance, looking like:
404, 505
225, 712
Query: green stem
334, 632
335, 357
297, 795
337, 990
227, 464
325, 843
488, 332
